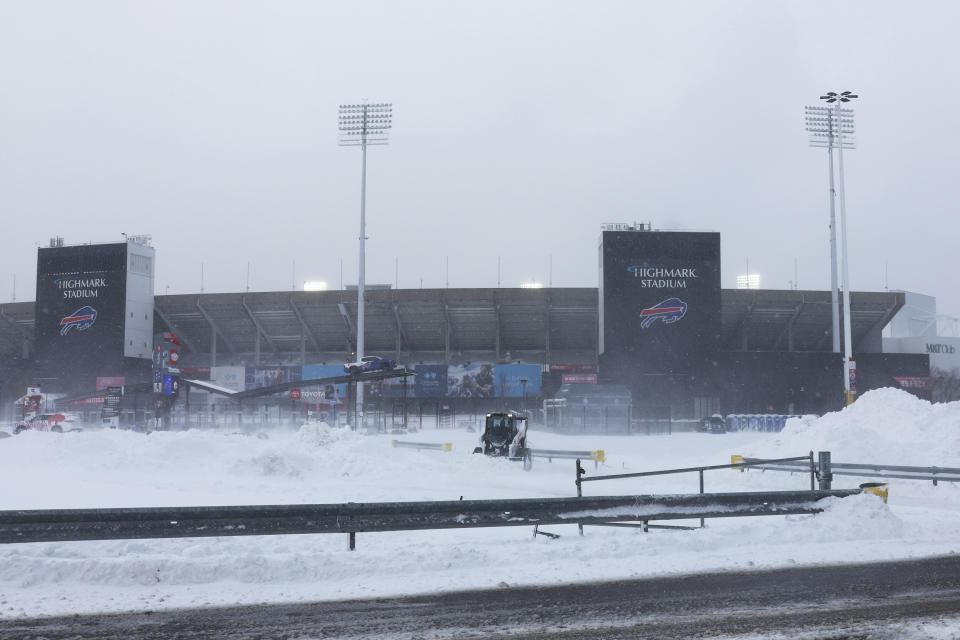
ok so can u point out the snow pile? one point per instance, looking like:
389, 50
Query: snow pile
320, 464
884, 426
320, 434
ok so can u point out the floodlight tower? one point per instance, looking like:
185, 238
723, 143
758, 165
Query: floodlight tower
362, 125
823, 128
849, 366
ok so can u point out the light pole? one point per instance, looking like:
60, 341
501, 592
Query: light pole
823, 128
523, 384
849, 366
362, 125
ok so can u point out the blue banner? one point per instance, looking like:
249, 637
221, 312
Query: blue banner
509, 380
431, 381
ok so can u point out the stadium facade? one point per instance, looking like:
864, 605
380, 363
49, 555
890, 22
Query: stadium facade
659, 324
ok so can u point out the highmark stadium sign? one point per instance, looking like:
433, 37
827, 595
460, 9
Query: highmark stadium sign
80, 287
659, 302
657, 277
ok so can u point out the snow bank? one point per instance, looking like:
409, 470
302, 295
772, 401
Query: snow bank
884, 426
320, 464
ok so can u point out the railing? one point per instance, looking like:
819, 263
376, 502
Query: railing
933, 474
436, 446
597, 456
62, 525
642, 474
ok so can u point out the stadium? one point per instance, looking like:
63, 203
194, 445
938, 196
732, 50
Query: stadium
658, 342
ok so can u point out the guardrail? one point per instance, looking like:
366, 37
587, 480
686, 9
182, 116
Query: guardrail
62, 525
933, 474
620, 476
436, 446
597, 456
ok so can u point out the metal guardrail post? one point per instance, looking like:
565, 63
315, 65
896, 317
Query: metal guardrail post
826, 473
580, 472
353, 541
702, 523
813, 471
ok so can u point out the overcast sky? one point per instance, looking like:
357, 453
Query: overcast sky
519, 127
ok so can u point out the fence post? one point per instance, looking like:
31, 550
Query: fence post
702, 523
813, 471
353, 541
826, 472
580, 472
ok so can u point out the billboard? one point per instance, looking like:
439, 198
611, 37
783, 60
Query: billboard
229, 377
330, 393
659, 301
517, 380
472, 380
80, 302
256, 377
430, 381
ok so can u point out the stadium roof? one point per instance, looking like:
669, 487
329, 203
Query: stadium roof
284, 326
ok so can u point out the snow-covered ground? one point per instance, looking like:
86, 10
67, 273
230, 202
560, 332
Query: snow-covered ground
319, 465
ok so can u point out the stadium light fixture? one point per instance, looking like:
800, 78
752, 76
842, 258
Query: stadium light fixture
531, 285
314, 285
361, 125
823, 127
748, 281
839, 123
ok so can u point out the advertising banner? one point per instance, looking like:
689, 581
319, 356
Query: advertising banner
431, 381
114, 381
578, 378
914, 382
196, 373
659, 301
587, 368
80, 312
256, 377
510, 380
474, 380
328, 393
228, 377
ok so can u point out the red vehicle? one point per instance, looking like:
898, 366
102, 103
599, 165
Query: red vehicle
42, 422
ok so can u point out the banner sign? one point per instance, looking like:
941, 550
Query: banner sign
196, 373
430, 381
578, 378
114, 381
256, 377
587, 368
470, 381
659, 301
328, 394
79, 326
517, 380
915, 382
228, 377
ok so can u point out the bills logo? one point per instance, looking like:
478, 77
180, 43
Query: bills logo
670, 310
83, 318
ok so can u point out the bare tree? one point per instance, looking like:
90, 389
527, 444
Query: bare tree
946, 385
